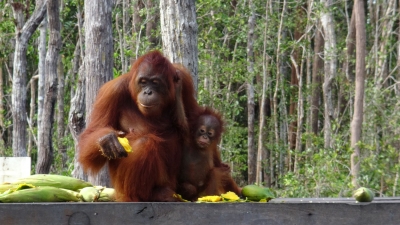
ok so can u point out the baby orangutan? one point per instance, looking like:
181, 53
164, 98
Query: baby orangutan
202, 171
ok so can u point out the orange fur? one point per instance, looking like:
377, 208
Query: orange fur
203, 172
150, 172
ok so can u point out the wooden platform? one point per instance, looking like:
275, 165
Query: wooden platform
325, 211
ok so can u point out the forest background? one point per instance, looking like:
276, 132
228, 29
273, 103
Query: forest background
309, 89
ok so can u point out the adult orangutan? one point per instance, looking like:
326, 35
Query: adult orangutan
146, 105
202, 172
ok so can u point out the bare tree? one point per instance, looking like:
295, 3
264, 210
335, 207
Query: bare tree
262, 154
42, 41
62, 148
137, 24
2, 128
76, 115
31, 119
251, 152
356, 123
23, 33
76, 121
278, 85
179, 33
45, 148
330, 66
98, 60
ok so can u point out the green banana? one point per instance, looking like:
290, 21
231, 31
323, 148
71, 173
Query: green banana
41, 194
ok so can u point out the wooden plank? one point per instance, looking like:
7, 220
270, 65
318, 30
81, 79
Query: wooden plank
333, 200
200, 213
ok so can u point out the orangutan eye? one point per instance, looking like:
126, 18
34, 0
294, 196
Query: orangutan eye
142, 81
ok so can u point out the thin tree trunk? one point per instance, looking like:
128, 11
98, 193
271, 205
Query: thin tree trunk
137, 24
45, 148
356, 123
179, 34
2, 128
263, 154
22, 36
76, 115
32, 106
261, 151
317, 72
121, 42
98, 61
294, 85
151, 23
396, 179
62, 148
71, 78
251, 154
278, 79
41, 69
348, 65
387, 22
397, 87
125, 27
76, 121
300, 111
330, 68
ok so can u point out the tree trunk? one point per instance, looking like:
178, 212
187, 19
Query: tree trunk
62, 148
42, 40
18, 99
76, 121
387, 22
356, 123
300, 110
278, 85
262, 154
98, 60
76, 115
348, 65
330, 68
125, 19
120, 42
294, 84
179, 34
261, 151
31, 121
2, 128
397, 87
151, 23
317, 72
45, 148
251, 151
137, 24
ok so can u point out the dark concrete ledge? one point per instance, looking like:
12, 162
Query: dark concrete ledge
325, 211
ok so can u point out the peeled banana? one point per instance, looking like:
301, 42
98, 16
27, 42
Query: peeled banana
125, 143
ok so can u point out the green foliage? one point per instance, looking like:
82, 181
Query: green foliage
324, 173
223, 75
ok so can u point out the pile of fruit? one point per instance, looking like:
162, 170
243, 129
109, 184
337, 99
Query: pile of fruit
54, 188
250, 193
58, 188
